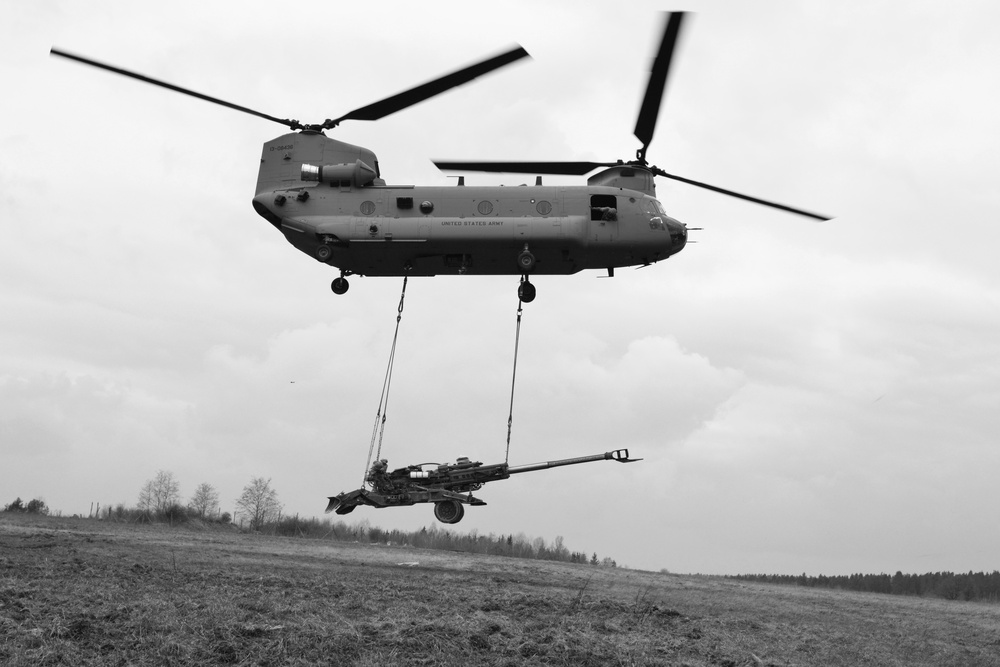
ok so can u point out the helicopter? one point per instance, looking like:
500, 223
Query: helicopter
328, 198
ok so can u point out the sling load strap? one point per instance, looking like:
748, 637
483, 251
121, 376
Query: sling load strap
510, 416
383, 405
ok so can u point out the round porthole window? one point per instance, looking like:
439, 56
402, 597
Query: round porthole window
426, 207
485, 207
367, 207
544, 207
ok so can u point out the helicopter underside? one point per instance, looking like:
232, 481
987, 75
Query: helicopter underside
430, 257
427, 259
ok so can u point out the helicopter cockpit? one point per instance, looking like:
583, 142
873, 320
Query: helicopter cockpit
658, 219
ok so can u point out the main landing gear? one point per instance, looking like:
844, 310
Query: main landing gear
340, 285
526, 291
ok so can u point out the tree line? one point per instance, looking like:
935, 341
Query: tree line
435, 537
978, 586
160, 498
34, 506
260, 510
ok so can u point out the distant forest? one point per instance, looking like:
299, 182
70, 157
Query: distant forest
514, 546
973, 586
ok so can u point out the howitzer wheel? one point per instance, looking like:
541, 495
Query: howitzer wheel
449, 511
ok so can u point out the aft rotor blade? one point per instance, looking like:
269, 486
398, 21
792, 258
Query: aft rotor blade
650, 108
797, 211
293, 124
413, 96
564, 168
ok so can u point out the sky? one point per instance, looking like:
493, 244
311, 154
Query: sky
806, 397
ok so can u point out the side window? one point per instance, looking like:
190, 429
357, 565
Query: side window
603, 208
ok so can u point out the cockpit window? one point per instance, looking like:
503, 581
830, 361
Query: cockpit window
655, 207
656, 214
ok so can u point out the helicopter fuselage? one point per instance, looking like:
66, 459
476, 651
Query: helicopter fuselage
340, 212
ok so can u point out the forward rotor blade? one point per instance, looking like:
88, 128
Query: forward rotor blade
650, 108
293, 124
413, 96
565, 168
797, 211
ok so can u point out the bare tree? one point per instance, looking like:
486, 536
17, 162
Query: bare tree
560, 550
160, 492
205, 501
259, 502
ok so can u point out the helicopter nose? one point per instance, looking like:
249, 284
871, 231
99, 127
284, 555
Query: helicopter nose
678, 233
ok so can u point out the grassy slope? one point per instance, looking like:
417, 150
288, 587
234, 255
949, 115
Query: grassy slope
87, 592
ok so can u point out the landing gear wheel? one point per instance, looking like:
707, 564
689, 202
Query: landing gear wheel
525, 261
526, 291
339, 285
449, 511
324, 253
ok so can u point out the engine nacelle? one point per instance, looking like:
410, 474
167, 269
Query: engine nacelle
356, 174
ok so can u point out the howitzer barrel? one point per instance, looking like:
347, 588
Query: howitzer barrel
620, 455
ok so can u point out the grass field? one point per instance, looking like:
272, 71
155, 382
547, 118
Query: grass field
77, 591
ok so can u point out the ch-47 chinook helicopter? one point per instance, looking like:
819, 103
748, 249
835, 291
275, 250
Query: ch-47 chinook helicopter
328, 198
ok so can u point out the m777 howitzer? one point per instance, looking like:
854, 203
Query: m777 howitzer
448, 486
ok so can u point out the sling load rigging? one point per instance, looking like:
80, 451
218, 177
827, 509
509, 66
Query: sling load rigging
383, 405
513, 377
449, 486
378, 429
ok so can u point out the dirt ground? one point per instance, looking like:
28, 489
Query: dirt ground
83, 592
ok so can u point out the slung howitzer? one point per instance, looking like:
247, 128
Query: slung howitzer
449, 486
